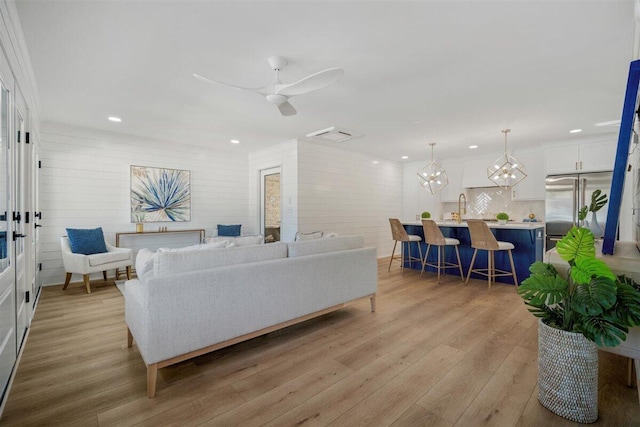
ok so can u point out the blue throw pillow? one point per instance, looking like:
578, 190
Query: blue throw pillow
86, 241
229, 230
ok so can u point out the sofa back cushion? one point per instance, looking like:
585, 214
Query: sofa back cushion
170, 263
324, 245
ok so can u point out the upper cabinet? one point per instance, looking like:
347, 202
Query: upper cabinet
584, 157
475, 172
533, 186
451, 192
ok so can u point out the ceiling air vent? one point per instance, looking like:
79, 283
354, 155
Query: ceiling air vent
334, 134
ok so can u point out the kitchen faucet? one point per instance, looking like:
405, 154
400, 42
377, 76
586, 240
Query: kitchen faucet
462, 209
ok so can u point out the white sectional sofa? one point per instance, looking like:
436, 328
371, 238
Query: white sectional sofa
189, 302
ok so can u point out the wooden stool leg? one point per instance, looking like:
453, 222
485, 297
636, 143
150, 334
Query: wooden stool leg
473, 258
66, 281
489, 265
513, 269
86, 283
104, 275
402, 258
439, 262
128, 272
152, 375
392, 254
424, 260
459, 263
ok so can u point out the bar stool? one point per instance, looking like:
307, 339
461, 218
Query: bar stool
433, 236
482, 238
399, 234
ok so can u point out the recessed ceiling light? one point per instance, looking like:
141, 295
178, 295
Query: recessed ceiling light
405, 157
473, 147
575, 131
235, 141
115, 119
375, 162
609, 123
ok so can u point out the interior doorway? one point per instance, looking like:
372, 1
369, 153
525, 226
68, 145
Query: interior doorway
270, 204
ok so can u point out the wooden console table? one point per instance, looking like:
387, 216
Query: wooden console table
200, 231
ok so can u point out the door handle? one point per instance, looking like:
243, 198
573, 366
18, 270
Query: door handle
37, 225
17, 236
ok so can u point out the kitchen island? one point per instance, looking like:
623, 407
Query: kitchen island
527, 237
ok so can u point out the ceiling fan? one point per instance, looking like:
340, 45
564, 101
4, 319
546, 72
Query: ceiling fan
279, 93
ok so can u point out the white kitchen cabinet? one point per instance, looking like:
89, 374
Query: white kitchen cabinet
451, 192
581, 157
475, 172
533, 186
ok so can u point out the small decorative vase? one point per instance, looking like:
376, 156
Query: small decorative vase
502, 221
594, 226
567, 374
139, 227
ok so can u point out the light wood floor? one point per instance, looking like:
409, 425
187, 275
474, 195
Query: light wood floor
432, 355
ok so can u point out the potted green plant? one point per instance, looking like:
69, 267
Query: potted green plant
584, 307
426, 215
502, 218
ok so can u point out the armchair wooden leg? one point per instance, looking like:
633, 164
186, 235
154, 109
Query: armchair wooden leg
128, 272
152, 375
129, 338
66, 281
104, 275
86, 283
373, 303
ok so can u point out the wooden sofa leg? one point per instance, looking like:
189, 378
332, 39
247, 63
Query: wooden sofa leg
66, 281
373, 303
104, 275
129, 338
128, 272
86, 283
152, 375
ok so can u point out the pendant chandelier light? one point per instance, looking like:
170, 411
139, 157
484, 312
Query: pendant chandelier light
433, 177
506, 171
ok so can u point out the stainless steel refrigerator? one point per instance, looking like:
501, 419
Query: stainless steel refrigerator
566, 194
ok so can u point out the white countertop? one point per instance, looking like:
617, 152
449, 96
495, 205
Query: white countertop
511, 225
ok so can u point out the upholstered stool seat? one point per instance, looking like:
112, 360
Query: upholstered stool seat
482, 238
433, 237
399, 234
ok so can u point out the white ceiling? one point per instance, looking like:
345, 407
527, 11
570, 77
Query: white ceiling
454, 72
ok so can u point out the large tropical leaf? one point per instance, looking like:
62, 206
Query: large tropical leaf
578, 243
627, 309
594, 297
587, 268
539, 290
542, 268
597, 201
602, 332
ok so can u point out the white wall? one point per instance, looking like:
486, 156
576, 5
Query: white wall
85, 182
416, 199
344, 192
285, 156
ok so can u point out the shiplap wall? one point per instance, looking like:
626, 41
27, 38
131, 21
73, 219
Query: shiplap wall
85, 183
346, 193
285, 156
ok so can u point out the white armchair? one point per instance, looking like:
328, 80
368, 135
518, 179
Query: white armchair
87, 264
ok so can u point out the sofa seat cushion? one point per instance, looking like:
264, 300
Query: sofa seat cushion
324, 245
171, 263
107, 258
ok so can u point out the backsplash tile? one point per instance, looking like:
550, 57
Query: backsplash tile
485, 203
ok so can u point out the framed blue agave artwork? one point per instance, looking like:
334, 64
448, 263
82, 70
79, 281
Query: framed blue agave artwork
160, 195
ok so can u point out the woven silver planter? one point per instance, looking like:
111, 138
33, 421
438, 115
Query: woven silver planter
567, 374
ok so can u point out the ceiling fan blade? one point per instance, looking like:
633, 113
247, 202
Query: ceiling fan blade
287, 109
313, 82
207, 80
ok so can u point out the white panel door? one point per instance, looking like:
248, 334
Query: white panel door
8, 342
19, 215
